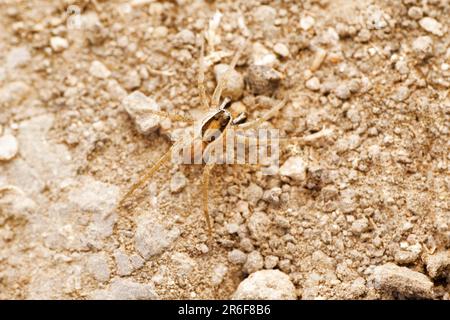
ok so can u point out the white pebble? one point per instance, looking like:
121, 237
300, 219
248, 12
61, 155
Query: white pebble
401, 94
219, 273
177, 182
342, 91
8, 147
270, 262
295, 168
307, 22
97, 266
281, 49
139, 107
423, 46
313, 84
236, 256
254, 262
234, 86
59, 44
266, 285
432, 25
17, 57
415, 13
99, 70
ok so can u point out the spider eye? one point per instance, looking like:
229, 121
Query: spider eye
227, 103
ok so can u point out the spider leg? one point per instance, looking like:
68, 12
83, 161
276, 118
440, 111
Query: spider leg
173, 117
205, 189
314, 138
201, 75
266, 116
223, 80
310, 139
143, 179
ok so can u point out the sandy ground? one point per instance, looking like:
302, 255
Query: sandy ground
365, 215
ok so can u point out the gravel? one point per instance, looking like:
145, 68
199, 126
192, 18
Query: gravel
376, 81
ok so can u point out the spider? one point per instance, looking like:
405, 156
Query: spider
213, 129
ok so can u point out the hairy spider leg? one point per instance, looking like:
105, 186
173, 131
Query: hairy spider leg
223, 80
148, 173
201, 75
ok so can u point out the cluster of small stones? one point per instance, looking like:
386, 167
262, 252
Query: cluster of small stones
361, 216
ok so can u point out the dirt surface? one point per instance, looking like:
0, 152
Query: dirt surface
367, 218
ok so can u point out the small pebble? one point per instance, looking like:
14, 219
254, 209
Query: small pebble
8, 147
262, 79
254, 193
266, 285
97, 266
59, 44
307, 22
281, 49
232, 227
294, 168
236, 256
405, 256
254, 262
132, 80
438, 264
415, 13
342, 91
234, 86
184, 37
219, 273
123, 263
270, 262
313, 84
17, 57
401, 94
178, 182
360, 225
423, 46
138, 106
403, 281
432, 25
99, 70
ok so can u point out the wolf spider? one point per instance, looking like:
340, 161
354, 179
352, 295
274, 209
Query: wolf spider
213, 128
